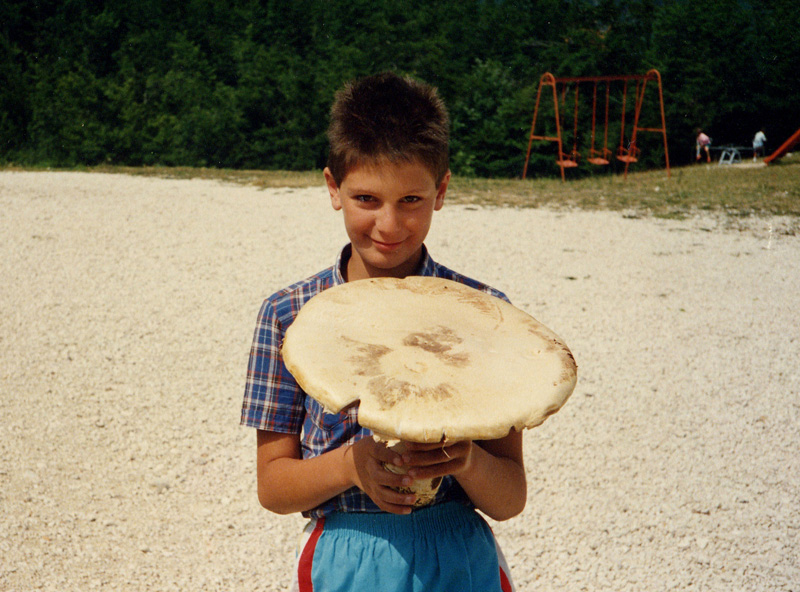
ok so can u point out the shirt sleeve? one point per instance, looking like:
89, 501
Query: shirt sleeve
273, 401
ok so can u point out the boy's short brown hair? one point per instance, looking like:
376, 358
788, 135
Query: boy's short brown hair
386, 116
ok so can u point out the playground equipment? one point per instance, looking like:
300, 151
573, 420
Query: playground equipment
603, 156
730, 154
784, 148
571, 158
627, 152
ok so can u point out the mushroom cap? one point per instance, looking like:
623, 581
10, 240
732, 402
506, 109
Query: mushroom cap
428, 359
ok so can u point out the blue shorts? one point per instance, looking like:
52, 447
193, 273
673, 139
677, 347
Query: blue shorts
444, 548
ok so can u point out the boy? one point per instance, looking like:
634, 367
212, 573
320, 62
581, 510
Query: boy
387, 173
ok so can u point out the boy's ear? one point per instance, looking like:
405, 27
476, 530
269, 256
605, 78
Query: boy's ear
441, 191
333, 189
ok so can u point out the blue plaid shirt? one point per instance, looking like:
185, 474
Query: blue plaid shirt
273, 401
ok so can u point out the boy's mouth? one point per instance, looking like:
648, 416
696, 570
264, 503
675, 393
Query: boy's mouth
386, 247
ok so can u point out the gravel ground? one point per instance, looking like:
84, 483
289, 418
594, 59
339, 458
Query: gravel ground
128, 306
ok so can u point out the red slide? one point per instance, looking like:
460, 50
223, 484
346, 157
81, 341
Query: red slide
784, 148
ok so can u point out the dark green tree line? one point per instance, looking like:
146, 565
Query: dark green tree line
247, 83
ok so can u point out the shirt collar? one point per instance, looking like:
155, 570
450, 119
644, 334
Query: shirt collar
341, 263
426, 265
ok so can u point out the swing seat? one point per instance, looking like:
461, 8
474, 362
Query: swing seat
600, 157
569, 161
628, 155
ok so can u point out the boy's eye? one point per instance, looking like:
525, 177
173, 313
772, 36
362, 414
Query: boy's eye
363, 198
411, 198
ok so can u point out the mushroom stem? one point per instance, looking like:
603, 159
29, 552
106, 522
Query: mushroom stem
424, 489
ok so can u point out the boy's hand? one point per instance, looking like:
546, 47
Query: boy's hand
379, 484
427, 461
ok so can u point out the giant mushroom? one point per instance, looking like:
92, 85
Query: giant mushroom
428, 359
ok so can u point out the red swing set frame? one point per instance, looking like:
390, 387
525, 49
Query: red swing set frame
625, 153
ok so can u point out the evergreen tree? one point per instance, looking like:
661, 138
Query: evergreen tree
248, 83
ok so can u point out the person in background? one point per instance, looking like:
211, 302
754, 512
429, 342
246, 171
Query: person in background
702, 143
759, 141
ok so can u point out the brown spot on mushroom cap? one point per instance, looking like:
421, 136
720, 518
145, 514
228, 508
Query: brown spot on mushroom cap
439, 341
368, 361
391, 391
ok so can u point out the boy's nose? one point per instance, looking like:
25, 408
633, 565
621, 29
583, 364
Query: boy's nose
388, 220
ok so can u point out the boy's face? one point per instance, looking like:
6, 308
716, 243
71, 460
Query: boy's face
387, 209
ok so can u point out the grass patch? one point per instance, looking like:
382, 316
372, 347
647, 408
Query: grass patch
263, 179
736, 190
739, 190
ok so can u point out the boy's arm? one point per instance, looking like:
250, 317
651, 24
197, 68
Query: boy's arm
288, 483
491, 472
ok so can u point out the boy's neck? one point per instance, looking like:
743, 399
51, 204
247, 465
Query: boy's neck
355, 269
